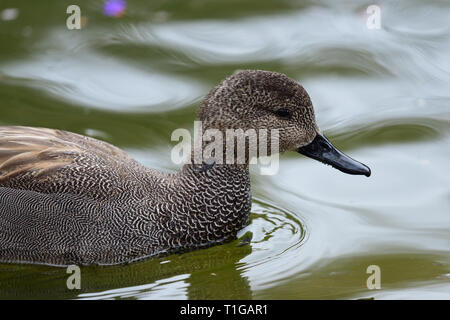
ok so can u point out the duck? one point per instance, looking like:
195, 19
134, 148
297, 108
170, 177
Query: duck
69, 199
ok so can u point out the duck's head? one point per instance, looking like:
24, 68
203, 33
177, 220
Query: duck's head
256, 99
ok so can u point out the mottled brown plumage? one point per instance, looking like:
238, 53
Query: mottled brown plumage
69, 199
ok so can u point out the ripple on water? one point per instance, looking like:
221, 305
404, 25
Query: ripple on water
163, 289
277, 235
65, 67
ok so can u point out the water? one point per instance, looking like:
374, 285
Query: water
382, 96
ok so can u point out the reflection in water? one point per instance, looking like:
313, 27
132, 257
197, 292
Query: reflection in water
193, 275
171, 288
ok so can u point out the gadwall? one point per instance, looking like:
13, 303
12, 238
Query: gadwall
70, 199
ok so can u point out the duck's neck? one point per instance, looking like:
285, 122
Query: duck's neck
218, 201
210, 179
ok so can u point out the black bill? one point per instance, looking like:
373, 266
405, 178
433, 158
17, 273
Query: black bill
321, 149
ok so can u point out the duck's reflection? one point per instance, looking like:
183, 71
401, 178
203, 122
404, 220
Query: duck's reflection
212, 273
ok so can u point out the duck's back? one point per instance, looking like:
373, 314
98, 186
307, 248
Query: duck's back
64, 198
55, 161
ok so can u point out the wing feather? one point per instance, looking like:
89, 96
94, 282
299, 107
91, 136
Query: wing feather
33, 158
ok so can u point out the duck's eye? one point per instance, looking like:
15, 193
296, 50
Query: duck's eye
283, 113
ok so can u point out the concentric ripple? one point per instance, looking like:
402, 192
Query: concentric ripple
277, 234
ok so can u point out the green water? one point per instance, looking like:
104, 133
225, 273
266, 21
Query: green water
381, 95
